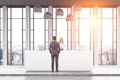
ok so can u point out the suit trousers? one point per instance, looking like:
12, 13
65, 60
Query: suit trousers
54, 61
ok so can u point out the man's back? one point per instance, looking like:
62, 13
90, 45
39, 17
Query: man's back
54, 47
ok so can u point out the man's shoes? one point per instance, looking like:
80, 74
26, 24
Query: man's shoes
52, 70
57, 70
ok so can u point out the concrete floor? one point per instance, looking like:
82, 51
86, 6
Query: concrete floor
59, 78
96, 74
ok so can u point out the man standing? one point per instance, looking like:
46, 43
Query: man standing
54, 49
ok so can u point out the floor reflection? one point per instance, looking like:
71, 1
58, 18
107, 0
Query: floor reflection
12, 78
59, 77
106, 78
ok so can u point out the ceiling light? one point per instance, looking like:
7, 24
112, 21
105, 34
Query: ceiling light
77, 8
70, 17
48, 15
59, 12
37, 9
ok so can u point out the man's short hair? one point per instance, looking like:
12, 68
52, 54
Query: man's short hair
54, 37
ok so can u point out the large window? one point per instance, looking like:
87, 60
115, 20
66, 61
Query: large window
86, 29
62, 29
16, 22
1, 37
37, 30
107, 36
83, 28
85, 32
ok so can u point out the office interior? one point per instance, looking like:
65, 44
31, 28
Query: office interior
87, 27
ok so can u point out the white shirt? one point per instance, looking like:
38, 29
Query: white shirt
61, 46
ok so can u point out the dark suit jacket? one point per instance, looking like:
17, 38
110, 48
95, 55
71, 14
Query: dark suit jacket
54, 48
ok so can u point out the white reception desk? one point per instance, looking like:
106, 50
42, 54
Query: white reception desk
68, 60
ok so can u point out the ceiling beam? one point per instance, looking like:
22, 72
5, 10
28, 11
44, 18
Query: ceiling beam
60, 3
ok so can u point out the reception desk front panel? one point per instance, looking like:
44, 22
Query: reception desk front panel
68, 60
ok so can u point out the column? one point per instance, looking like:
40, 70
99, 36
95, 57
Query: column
27, 28
118, 36
5, 23
73, 31
95, 34
50, 26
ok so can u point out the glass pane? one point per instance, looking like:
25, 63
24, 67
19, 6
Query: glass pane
99, 48
69, 46
77, 36
115, 24
69, 35
24, 24
54, 12
1, 36
99, 13
9, 24
38, 33
32, 13
10, 60
85, 33
54, 33
24, 12
114, 35
106, 28
47, 46
9, 36
115, 48
92, 47
108, 15
46, 24
105, 57
1, 12
24, 36
46, 36
31, 46
99, 24
65, 12
16, 12
1, 24
62, 31
68, 10
31, 36
114, 12
16, 42
99, 59
69, 26
106, 12
9, 12
99, 36
92, 36
54, 24
24, 46
77, 44
85, 13
77, 24
115, 59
